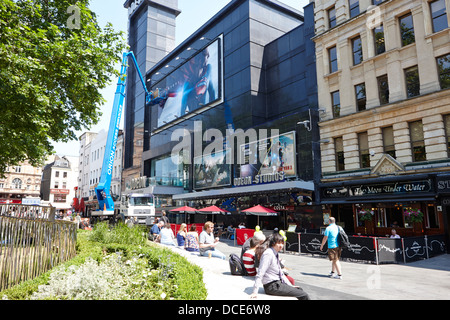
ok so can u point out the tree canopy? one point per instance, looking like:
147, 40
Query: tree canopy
54, 61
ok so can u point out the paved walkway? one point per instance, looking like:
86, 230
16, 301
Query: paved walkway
422, 280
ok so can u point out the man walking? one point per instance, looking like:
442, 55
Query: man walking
334, 251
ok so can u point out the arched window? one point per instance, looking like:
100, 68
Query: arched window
16, 184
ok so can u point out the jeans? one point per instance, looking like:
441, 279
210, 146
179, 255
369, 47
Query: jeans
214, 253
278, 288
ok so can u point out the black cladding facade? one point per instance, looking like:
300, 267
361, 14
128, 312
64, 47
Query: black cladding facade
268, 80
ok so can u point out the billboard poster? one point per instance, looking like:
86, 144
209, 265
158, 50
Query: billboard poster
211, 170
275, 160
192, 86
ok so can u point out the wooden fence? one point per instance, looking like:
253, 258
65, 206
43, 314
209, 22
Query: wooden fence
31, 245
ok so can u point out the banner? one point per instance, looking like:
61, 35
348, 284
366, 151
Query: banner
292, 242
361, 248
310, 243
211, 171
415, 248
274, 160
194, 85
243, 234
390, 250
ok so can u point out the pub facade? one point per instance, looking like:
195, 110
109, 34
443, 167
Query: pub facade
382, 83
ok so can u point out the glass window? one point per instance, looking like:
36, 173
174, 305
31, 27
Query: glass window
360, 92
378, 35
407, 29
432, 218
376, 2
336, 104
364, 156
357, 50
339, 151
332, 54
447, 131
354, 8
412, 82
388, 141
167, 170
438, 15
444, 71
383, 89
16, 184
417, 141
332, 17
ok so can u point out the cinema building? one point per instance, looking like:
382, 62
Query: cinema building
383, 81
250, 68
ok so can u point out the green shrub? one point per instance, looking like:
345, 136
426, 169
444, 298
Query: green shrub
144, 270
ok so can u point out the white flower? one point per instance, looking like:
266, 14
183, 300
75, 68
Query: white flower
163, 295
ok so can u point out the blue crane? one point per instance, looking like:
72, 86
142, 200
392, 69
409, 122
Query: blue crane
105, 201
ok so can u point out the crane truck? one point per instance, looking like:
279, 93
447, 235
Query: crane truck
132, 205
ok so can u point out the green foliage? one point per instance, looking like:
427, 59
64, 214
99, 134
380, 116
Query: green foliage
131, 268
121, 234
51, 74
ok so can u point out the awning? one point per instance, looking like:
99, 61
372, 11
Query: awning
260, 188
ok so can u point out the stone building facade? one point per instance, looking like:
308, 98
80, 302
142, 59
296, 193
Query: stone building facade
383, 84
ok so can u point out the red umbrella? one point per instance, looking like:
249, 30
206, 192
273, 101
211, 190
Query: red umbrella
184, 209
259, 210
213, 210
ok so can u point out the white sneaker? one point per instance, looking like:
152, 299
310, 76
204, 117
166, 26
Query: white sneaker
335, 276
331, 274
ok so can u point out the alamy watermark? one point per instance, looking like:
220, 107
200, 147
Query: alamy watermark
74, 19
250, 145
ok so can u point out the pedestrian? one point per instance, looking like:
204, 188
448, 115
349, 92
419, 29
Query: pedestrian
164, 217
78, 220
334, 251
181, 235
248, 257
259, 238
191, 243
155, 230
271, 275
208, 243
166, 236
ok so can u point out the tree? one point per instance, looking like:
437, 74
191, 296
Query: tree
54, 61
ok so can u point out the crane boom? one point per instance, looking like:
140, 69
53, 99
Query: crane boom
105, 201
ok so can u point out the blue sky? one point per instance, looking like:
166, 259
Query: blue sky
194, 13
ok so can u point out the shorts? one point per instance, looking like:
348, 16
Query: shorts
334, 253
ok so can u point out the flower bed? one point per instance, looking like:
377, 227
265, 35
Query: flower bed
116, 264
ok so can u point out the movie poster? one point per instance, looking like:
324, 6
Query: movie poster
192, 86
275, 160
211, 171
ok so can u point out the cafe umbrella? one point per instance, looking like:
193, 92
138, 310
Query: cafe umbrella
185, 210
213, 210
259, 210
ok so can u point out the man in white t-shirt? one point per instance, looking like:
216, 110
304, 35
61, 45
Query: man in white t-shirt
207, 242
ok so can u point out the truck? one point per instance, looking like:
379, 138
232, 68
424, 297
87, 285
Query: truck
138, 205
141, 206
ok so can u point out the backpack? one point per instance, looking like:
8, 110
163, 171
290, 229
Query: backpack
236, 266
344, 243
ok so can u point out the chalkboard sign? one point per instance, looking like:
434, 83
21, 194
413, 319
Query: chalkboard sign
436, 245
415, 248
310, 243
361, 248
390, 250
